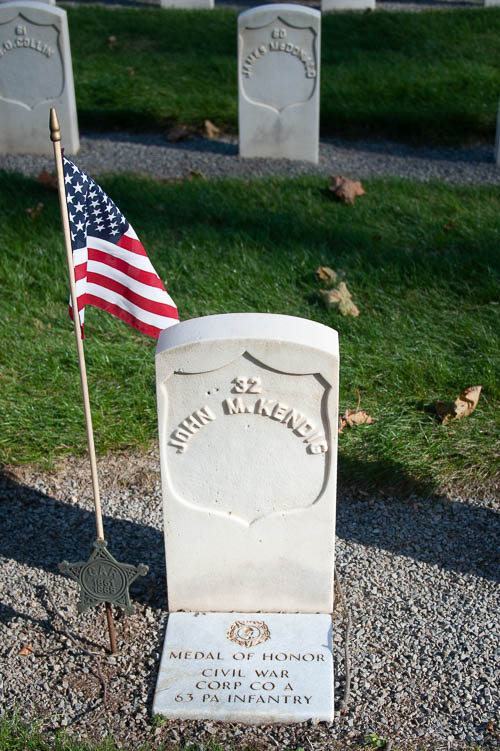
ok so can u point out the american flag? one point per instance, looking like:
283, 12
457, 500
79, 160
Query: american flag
112, 270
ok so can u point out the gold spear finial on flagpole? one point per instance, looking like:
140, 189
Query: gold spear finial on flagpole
55, 128
55, 136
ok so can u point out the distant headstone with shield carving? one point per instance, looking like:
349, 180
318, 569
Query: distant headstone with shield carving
35, 74
247, 407
278, 82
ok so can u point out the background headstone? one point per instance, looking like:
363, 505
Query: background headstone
330, 5
49, 2
35, 74
207, 4
278, 82
248, 442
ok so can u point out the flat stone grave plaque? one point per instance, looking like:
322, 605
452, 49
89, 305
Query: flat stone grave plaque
278, 82
247, 667
35, 74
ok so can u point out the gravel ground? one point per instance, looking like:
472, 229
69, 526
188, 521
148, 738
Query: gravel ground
154, 155
420, 579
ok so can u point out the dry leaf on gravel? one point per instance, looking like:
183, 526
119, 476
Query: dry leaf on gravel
461, 407
26, 650
33, 213
326, 274
210, 130
178, 133
345, 190
340, 299
48, 180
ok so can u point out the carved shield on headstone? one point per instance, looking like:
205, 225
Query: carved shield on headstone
278, 63
31, 66
246, 441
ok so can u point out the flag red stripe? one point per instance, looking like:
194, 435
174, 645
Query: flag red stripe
80, 271
115, 310
151, 306
146, 277
130, 244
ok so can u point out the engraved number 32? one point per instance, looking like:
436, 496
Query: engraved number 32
244, 385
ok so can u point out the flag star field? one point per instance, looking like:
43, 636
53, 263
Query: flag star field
112, 269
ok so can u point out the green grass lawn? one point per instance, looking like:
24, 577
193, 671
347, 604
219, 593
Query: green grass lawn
419, 77
420, 259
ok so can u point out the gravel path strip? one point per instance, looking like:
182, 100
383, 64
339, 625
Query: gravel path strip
420, 579
154, 155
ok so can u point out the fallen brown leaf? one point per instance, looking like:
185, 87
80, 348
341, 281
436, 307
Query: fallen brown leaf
192, 175
26, 650
178, 133
326, 274
340, 299
450, 226
354, 417
33, 213
210, 130
345, 190
461, 407
48, 180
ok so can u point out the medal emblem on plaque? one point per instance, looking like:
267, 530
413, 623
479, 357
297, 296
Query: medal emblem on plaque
248, 633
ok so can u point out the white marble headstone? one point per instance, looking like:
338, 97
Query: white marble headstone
247, 412
278, 82
247, 408
35, 74
206, 4
49, 2
331, 5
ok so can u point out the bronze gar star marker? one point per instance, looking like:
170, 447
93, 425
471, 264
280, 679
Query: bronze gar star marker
103, 579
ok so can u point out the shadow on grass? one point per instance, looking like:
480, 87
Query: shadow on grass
204, 145
39, 531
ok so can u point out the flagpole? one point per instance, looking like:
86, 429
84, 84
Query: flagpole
55, 137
